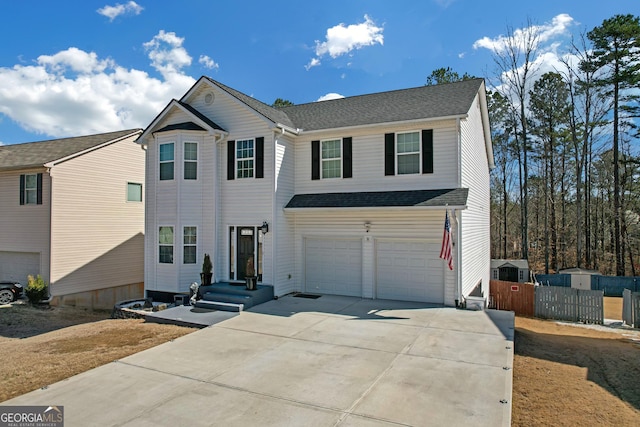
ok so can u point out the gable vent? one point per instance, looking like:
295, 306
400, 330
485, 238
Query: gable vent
208, 98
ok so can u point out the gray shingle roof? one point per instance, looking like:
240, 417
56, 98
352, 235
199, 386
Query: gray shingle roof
34, 154
424, 102
423, 198
519, 263
181, 126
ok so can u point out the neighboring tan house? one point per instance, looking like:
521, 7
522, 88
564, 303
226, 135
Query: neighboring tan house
343, 197
73, 212
510, 270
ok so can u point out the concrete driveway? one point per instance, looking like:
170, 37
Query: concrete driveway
304, 362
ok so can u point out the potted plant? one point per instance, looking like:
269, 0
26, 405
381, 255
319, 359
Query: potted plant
250, 275
207, 271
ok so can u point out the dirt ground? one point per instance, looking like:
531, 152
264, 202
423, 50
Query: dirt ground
40, 346
564, 375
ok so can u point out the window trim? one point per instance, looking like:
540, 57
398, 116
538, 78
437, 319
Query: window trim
172, 245
30, 190
252, 159
172, 161
397, 153
189, 245
185, 160
339, 158
129, 200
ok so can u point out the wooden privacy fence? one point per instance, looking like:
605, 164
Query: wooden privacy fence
575, 305
631, 308
511, 296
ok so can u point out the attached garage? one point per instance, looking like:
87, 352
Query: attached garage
409, 270
333, 266
18, 265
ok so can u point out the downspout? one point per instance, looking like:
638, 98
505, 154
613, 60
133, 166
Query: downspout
455, 214
274, 221
49, 168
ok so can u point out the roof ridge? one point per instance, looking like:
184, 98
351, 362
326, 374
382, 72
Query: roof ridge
123, 132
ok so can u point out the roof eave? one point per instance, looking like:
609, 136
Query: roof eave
370, 208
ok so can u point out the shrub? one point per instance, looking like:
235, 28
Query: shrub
37, 290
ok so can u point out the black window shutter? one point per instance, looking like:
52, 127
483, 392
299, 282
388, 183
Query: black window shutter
315, 159
39, 189
260, 157
347, 170
389, 154
22, 189
427, 151
231, 160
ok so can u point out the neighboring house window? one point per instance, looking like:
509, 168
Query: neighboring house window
190, 160
134, 192
495, 274
166, 161
521, 275
331, 159
31, 189
189, 245
408, 153
244, 158
165, 241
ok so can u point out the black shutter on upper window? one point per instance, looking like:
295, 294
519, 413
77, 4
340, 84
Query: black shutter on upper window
315, 159
347, 167
39, 189
22, 189
260, 157
427, 151
389, 154
231, 160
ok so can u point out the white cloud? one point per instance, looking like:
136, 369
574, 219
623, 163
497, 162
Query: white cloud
112, 12
558, 26
330, 96
207, 62
342, 39
74, 92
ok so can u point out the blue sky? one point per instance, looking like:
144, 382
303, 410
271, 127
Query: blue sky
71, 68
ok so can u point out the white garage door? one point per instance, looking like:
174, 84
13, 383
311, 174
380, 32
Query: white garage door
333, 266
18, 265
409, 271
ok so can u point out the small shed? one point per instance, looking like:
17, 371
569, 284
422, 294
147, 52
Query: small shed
510, 270
580, 277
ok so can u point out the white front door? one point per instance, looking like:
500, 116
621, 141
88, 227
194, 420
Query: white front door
409, 270
333, 266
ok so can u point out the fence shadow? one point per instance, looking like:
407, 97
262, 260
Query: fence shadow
611, 363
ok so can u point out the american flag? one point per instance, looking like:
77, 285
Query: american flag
445, 251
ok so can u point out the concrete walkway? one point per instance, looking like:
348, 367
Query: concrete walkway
303, 362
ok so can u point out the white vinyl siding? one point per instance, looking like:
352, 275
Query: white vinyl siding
475, 247
368, 161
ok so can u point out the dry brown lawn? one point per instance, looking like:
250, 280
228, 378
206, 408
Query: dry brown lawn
39, 346
563, 375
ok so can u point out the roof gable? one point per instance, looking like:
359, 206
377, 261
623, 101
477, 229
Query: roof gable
37, 154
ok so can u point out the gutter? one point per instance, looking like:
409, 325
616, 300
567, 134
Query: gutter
369, 208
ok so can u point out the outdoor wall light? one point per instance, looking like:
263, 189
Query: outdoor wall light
367, 226
265, 227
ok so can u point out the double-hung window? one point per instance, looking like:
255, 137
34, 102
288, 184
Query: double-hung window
408, 153
189, 242
190, 160
165, 243
31, 189
244, 158
331, 154
166, 161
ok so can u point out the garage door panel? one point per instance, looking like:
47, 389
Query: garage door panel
16, 266
409, 270
333, 266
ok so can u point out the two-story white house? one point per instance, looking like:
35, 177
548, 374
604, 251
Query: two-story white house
343, 197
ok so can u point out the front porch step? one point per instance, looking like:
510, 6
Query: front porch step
219, 305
